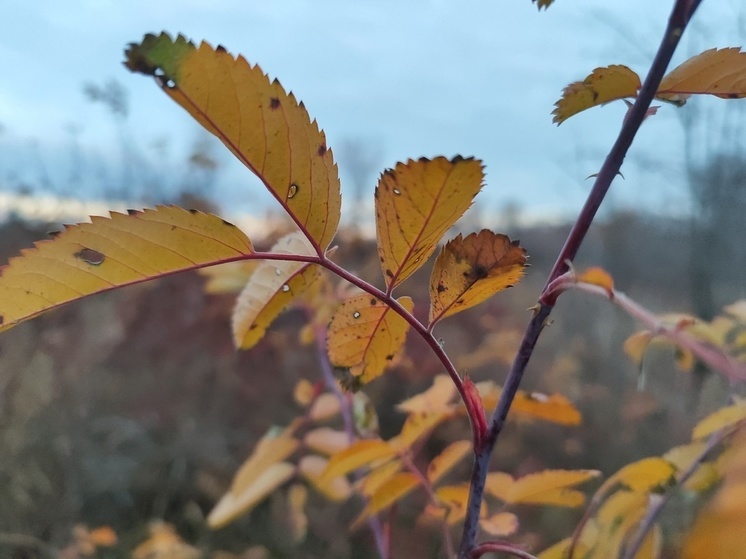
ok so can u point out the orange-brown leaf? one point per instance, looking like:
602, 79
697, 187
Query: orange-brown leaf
365, 335
416, 203
471, 269
273, 285
718, 72
601, 86
112, 252
598, 276
264, 127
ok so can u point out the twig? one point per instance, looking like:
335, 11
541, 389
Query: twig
680, 16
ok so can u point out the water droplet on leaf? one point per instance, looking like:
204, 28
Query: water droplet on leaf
356, 314
286, 288
278, 272
292, 190
397, 191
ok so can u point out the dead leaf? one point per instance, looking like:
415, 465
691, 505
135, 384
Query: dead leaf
416, 203
469, 270
601, 86
112, 252
365, 335
264, 127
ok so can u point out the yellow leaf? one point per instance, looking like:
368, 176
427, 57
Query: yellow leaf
601, 86
598, 276
228, 278
722, 418
548, 487
303, 392
297, 498
561, 550
636, 345
396, 487
471, 269
324, 407
617, 520
500, 525
416, 203
436, 398
270, 289
111, 252
377, 477
365, 335
682, 457
236, 503
357, 455
554, 408
446, 460
313, 468
455, 498
644, 476
718, 72
326, 441
415, 427
264, 127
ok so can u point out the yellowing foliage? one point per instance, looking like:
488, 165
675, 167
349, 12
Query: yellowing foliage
365, 335
471, 269
112, 252
264, 127
416, 203
549, 487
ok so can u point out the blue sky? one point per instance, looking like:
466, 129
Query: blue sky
407, 78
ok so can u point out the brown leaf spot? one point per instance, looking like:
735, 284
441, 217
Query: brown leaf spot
389, 357
193, 211
480, 272
274, 103
133, 212
220, 48
442, 288
322, 150
2, 319
90, 256
389, 273
373, 301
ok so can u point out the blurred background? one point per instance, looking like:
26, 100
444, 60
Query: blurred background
133, 406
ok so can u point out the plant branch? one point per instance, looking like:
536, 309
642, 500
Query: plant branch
680, 17
712, 356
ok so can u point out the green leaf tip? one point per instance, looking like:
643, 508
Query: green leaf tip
158, 55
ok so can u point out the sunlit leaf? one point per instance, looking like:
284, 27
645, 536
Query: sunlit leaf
548, 487
500, 525
396, 487
264, 127
416, 203
718, 72
111, 252
334, 488
601, 86
271, 288
446, 460
471, 269
436, 398
365, 335
357, 455
720, 419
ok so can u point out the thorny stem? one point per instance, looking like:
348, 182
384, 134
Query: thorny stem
680, 16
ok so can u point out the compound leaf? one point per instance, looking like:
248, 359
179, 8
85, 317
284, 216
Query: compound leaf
718, 72
471, 269
365, 335
264, 127
111, 252
271, 288
601, 86
416, 203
